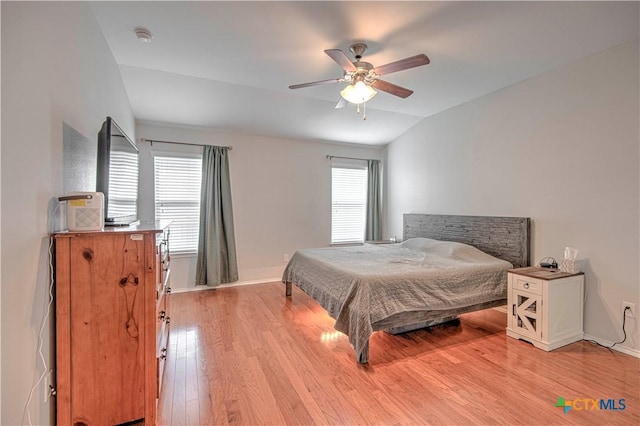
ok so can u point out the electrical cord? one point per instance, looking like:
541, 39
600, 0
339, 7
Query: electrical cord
549, 261
624, 332
51, 225
40, 339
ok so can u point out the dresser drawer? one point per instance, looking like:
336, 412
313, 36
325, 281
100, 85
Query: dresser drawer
531, 285
162, 336
162, 259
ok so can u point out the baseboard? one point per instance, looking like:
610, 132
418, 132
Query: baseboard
234, 284
502, 309
625, 350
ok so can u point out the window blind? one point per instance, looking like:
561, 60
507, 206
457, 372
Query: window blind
348, 204
123, 183
177, 198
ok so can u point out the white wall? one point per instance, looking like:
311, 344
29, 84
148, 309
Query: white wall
561, 148
56, 67
281, 191
0, 238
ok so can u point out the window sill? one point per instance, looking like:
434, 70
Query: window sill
347, 244
382, 242
183, 254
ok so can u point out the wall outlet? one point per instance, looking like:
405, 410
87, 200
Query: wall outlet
629, 313
48, 386
286, 257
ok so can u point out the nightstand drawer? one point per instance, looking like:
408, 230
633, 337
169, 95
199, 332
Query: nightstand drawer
528, 284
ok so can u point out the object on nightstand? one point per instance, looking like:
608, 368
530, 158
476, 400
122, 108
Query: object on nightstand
568, 263
549, 262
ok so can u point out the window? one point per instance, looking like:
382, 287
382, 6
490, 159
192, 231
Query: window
177, 198
348, 202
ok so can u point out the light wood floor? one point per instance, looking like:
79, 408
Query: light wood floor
248, 356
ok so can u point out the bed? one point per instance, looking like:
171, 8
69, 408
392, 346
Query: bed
445, 266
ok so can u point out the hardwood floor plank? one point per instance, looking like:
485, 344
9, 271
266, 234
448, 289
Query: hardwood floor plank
192, 410
192, 413
178, 411
249, 356
213, 387
287, 384
165, 400
205, 401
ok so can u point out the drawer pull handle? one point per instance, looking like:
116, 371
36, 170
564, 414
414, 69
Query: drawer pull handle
168, 290
525, 285
163, 354
168, 320
513, 310
163, 314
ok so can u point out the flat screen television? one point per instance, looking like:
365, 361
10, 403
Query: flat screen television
117, 175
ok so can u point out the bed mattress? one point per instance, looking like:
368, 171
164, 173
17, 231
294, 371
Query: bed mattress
361, 286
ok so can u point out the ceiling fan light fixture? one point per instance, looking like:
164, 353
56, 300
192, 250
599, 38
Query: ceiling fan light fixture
358, 93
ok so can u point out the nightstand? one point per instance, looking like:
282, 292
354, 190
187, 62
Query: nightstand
545, 307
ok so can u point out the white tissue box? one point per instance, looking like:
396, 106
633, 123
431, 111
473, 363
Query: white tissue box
572, 266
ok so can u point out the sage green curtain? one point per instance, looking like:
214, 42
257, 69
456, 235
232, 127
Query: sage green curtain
216, 262
373, 228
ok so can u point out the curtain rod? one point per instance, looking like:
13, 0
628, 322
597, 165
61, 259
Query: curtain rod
351, 158
151, 141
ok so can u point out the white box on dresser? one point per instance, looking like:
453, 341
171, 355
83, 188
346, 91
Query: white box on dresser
545, 307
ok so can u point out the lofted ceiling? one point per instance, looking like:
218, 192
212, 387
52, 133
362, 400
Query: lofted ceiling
229, 64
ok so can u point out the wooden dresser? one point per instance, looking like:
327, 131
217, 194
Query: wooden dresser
112, 323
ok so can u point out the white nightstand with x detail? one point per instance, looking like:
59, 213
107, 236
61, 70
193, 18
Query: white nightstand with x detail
545, 307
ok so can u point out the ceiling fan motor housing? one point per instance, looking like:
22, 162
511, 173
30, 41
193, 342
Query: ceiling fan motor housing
358, 50
364, 72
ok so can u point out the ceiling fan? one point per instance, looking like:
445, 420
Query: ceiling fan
364, 77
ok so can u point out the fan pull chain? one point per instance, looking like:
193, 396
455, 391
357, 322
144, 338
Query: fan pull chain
364, 110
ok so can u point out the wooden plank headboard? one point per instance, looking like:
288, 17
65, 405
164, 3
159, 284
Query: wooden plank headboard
506, 238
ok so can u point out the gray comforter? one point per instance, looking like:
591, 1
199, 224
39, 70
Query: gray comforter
362, 285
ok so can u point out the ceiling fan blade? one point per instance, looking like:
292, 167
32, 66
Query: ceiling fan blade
342, 102
391, 88
402, 64
341, 59
317, 83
